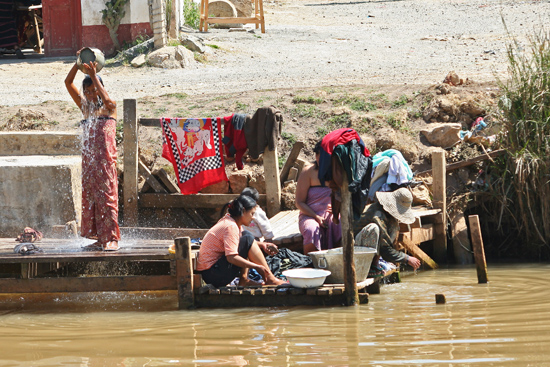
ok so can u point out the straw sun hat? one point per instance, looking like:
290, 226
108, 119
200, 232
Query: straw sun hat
398, 203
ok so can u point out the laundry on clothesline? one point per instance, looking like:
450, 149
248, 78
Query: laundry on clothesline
195, 149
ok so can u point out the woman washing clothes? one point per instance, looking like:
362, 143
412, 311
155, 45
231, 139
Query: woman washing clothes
316, 222
227, 252
99, 153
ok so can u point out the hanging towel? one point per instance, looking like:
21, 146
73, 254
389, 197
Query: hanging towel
233, 137
264, 128
194, 147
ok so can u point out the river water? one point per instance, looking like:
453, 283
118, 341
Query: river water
503, 323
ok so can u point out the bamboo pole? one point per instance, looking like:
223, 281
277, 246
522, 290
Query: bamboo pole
348, 243
479, 252
130, 187
184, 273
439, 189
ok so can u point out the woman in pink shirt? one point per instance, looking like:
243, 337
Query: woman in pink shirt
228, 252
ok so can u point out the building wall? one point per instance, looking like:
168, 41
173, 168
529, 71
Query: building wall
95, 33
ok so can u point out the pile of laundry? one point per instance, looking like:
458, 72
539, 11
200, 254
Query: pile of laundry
26, 247
475, 134
390, 171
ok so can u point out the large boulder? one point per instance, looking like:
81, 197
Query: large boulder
171, 57
442, 135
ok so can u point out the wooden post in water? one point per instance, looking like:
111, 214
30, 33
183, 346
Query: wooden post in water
131, 157
184, 273
479, 252
439, 189
272, 181
348, 244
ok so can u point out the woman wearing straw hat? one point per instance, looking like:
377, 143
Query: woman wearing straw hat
379, 227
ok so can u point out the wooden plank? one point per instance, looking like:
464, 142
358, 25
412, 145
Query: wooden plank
293, 174
84, 257
88, 284
184, 273
325, 292
294, 153
150, 179
439, 190
151, 122
189, 201
479, 252
237, 20
167, 180
462, 248
468, 162
131, 134
412, 247
272, 181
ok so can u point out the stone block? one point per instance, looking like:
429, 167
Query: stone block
39, 143
39, 192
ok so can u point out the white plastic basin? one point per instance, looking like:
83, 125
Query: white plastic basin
306, 277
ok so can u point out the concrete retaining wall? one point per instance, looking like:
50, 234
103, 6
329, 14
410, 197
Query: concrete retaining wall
39, 143
39, 192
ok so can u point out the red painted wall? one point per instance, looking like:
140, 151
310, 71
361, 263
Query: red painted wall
98, 35
62, 27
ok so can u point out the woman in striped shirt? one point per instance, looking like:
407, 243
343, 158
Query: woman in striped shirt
228, 252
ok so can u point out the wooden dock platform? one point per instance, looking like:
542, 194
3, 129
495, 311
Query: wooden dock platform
61, 267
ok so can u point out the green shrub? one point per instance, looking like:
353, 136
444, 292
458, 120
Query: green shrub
191, 13
524, 176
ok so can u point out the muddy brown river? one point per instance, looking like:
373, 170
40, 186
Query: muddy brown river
503, 323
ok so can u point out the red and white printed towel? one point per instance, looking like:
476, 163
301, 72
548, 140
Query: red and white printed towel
194, 147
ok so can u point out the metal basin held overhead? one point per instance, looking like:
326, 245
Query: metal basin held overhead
90, 54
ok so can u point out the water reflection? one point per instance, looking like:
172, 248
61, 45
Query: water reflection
503, 323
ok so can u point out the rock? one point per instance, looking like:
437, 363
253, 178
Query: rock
421, 195
171, 57
193, 43
223, 9
453, 79
472, 108
218, 188
442, 135
238, 180
184, 56
288, 195
369, 140
426, 154
257, 181
244, 7
139, 61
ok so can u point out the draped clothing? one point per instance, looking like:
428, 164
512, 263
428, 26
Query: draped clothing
318, 199
99, 180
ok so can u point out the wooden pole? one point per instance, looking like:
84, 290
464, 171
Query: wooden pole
130, 187
439, 190
348, 243
272, 181
294, 153
184, 273
479, 252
